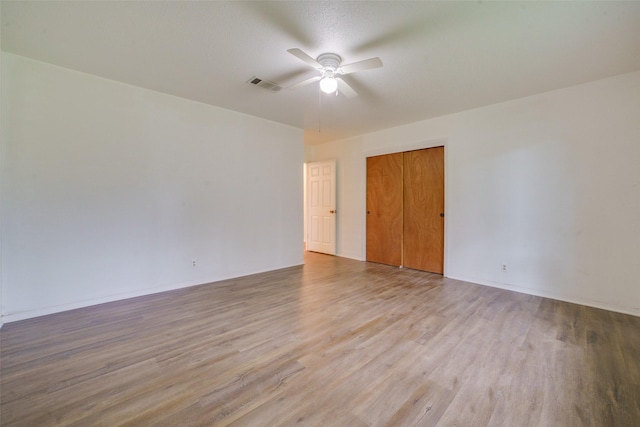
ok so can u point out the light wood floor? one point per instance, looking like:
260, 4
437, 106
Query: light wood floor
334, 343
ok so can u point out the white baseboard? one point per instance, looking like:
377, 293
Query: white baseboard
551, 295
354, 257
13, 317
43, 311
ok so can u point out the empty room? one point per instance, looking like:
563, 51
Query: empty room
449, 224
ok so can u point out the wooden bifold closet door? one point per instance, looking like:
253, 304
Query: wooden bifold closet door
423, 237
405, 209
384, 209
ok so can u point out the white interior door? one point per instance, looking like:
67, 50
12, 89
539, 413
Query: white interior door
321, 195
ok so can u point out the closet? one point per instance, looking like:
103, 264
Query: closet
405, 209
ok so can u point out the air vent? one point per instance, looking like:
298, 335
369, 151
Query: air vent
265, 84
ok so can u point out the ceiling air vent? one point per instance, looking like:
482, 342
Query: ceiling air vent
265, 84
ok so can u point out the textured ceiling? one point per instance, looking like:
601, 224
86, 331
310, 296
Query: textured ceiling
439, 57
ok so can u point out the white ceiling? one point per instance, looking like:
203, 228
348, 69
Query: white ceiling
439, 57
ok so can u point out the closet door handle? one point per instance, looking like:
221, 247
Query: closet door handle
441, 214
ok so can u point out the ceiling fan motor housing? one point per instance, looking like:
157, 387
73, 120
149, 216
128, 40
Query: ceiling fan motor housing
329, 61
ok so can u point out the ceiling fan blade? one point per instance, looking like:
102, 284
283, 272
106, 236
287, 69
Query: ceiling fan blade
345, 89
304, 82
304, 57
367, 64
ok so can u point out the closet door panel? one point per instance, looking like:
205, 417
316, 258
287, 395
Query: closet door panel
423, 223
384, 209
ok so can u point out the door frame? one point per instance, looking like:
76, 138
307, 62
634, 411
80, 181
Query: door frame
401, 148
333, 209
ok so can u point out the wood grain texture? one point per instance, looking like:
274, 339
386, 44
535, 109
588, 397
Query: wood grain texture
335, 342
384, 209
423, 240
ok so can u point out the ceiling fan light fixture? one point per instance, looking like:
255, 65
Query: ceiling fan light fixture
328, 84
330, 65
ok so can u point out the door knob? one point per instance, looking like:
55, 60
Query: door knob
441, 214
332, 211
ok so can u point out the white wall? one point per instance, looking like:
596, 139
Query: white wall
1, 144
349, 193
351, 157
110, 191
548, 185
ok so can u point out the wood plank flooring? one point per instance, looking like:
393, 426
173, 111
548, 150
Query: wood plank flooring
334, 343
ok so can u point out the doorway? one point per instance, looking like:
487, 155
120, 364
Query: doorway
321, 207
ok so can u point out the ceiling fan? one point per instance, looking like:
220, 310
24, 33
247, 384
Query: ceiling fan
330, 68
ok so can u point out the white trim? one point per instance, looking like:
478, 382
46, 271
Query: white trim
28, 314
550, 295
411, 146
353, 257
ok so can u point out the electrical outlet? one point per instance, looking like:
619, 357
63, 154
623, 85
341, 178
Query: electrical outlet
503, 267
193, 263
